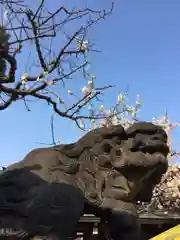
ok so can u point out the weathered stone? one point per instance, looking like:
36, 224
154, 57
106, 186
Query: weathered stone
104, 173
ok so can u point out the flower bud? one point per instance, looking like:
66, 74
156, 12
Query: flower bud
70, 92
90, 86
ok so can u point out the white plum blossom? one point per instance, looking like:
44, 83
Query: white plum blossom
101, 107
24, 78
26, 87
5, 16
85, 46
85, 90
115, 120
82, 45
40, 79
121, 98
43, 77
81, 124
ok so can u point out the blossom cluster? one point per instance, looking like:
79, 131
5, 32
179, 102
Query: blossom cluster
166, 195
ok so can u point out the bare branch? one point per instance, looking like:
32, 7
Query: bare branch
56, 52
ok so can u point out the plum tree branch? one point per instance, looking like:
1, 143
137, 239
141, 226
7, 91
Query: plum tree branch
58, 53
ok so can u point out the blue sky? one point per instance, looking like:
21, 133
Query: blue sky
140, 47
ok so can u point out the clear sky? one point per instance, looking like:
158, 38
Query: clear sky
140, 46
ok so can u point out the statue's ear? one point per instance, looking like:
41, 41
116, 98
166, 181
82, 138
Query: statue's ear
113, 131
103, 147
71, 150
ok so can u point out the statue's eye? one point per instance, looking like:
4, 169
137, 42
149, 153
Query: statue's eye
162, 133
104, 161
118, 152
142, 132
106, 147
119, 140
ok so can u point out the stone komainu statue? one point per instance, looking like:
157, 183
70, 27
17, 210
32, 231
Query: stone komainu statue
105, 173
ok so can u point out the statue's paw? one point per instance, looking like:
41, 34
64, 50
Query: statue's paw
14, 233
44, 238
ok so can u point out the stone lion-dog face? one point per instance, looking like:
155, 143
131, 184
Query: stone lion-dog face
131, 163
150, 147
142, 160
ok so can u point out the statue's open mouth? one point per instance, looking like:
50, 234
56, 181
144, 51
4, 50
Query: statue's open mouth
153, 148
